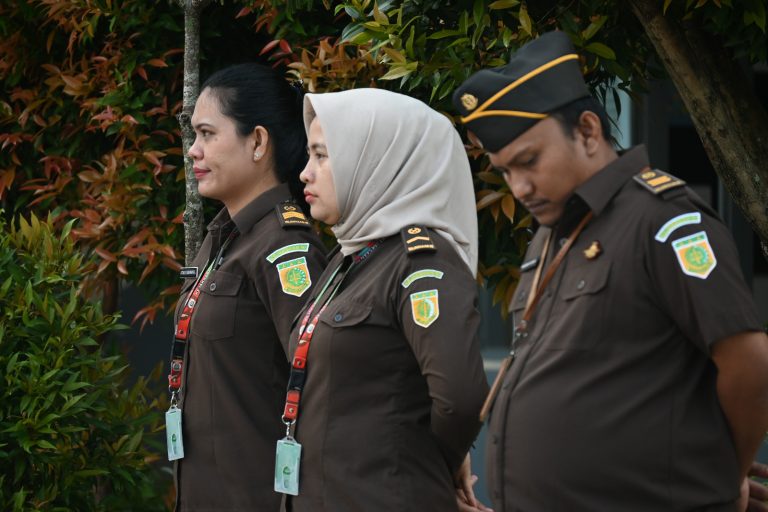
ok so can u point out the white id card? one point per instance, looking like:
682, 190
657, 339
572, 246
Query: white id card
287, 460
173, 434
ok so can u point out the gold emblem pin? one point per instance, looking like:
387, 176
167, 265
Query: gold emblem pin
414, 231
469, 101
593, 251
648, 175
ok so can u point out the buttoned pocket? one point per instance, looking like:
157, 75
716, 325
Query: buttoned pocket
215, 317
587, 279
579, 314
345, 314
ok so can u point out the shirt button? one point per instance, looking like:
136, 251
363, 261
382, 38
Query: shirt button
563, 241
338, 318
495, 439
581, 284
212, 287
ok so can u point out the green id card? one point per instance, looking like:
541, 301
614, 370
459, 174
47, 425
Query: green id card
173, 434
287, 466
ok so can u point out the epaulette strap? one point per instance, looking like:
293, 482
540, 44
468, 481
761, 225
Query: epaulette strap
417, 239
657, 181
291, 216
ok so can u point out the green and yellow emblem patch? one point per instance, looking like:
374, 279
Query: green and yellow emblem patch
695, 255
294, 276
425, 307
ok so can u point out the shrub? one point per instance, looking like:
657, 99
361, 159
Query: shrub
71, 429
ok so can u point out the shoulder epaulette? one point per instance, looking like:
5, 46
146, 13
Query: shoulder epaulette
657, 181
291, 216
417, 239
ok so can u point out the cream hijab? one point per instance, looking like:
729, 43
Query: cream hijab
395, 162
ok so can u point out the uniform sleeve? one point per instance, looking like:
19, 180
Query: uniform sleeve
694, 265
440, 320
286, 274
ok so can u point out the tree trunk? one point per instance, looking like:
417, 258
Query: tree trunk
193, 211
728, 116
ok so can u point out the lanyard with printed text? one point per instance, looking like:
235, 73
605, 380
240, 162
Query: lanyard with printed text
288, 450
534, 295
181, 333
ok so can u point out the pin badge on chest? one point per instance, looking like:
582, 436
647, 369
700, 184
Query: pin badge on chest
593, 251
188, 273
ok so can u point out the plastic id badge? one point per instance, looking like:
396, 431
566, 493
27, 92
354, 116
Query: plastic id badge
173, 434
287, 466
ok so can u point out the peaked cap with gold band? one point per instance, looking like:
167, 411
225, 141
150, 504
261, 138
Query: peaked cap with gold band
499, 104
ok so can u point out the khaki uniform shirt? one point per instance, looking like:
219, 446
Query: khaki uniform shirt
611, 402
236, 363
394, 385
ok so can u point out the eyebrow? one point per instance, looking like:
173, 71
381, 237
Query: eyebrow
200, 125
316, 146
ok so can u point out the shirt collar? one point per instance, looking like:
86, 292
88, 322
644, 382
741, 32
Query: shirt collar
600, 189
254, 211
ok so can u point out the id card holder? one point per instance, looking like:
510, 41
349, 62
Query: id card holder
287, 458
173, 434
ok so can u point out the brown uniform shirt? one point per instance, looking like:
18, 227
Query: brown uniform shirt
611, 403
236, 363
390, 407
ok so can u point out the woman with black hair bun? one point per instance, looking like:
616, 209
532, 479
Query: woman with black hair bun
258, 263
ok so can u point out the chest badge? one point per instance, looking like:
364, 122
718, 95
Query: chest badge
593, 251
294, 276
425, 307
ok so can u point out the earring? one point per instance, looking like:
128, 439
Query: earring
257, 155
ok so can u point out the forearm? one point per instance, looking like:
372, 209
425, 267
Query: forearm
746, 410
742, 389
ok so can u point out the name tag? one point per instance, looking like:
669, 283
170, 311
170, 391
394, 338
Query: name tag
188, 273
287, 460
173, 434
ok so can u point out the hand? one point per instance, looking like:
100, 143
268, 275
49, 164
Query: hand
756, 496
465, 496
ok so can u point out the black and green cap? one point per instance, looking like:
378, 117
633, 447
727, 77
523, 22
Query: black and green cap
499, 104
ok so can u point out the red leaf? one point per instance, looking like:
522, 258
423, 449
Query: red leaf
157, 63
105, 254
268, 47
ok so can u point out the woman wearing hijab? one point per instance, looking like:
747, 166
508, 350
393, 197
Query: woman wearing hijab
255, 269
387, 379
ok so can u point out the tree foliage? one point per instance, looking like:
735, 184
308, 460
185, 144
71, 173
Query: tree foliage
73, 430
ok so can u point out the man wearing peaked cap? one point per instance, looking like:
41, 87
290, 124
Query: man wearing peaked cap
638, 373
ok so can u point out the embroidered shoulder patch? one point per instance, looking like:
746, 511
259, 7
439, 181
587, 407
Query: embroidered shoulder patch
421, 274
695, 255
677, 222
287, 249
294, 276
290, 215
417, 239
425, 307
657, 181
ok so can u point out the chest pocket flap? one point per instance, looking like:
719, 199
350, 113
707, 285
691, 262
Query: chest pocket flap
345, 314
588, 278
222, 284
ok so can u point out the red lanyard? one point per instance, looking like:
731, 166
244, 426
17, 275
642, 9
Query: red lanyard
306, 332
181, 333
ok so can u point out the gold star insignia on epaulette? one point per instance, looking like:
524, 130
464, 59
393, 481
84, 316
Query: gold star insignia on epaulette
657, 181
290, 215
417, 239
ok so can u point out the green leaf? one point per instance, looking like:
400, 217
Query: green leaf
601, 50
593, 27
442, 34
525, 20
666, 6
503, 4
399, 71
